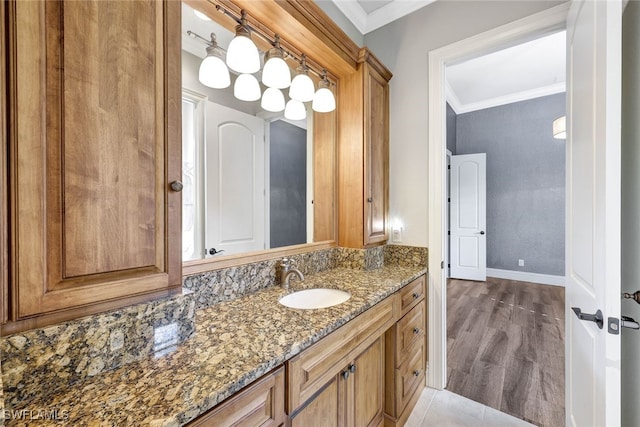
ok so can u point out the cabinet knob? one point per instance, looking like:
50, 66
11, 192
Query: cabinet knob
370, 200
352, 368
416, 373
416, 295
345, 374
416, 330
176, 186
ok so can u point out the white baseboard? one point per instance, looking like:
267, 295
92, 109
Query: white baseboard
523, 276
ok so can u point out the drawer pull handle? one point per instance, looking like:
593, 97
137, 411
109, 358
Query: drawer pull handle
416, 331
416, 295
352, 368
345, 374
416, 373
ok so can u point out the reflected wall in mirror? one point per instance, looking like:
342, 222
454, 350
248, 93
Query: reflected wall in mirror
250, 176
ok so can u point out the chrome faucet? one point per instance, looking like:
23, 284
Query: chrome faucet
287, 268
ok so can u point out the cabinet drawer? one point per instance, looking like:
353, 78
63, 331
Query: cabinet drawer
260, 404
313, 368
410, 329
410, 375
411, 294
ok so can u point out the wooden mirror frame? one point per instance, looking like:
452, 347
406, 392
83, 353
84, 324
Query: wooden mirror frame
304, 28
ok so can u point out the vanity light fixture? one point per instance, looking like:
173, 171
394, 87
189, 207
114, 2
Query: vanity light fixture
242, 53
246, 88
323, 100
243, 57
295, 110
272, 100
213, 71
560, 128
302, 88
276, 73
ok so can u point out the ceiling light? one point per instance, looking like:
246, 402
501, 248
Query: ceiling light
246, 88
272, 100
323, 100
213, 71
302, 87
242, 54
295, 110
276, 72
560, 128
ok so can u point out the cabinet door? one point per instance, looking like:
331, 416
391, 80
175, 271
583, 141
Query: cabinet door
96, 139
326, 409
368, 386
376, 125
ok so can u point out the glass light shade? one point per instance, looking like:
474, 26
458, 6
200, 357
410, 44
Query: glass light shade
214, 72
272, 100
247, 88
560, 128
242, 53
323, 100
302, 88
276, 72
295, 110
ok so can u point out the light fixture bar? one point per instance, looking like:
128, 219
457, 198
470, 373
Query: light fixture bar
272, 42
203, 40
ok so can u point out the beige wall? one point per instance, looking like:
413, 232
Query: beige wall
403, 46
630, 208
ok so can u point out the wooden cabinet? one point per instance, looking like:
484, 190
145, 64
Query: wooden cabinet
340, 379
363, 189
260, 404
94, 144
353, 397
405, 355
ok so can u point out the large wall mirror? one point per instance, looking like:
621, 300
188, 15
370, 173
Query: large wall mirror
253, 180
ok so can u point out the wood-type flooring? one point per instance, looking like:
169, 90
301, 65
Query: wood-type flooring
505, 343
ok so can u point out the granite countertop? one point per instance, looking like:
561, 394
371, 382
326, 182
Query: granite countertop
235, 343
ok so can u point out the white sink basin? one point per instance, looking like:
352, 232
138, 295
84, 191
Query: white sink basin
315, 298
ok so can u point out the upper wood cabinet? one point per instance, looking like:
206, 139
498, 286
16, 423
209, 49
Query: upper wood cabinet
364, 154
94, 145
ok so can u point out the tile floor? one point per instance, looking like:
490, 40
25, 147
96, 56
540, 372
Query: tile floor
437, 408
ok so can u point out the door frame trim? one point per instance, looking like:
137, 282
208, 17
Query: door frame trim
520, 31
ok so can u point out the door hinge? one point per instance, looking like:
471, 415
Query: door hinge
449, 199
448, 166
448, 233
442, 265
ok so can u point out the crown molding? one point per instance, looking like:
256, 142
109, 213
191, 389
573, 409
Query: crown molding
506, 99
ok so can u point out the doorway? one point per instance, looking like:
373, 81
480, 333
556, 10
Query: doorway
505, 337
547, 22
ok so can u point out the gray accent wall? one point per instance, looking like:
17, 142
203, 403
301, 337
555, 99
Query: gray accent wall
525, 182
451, 129
630, 208
288, 184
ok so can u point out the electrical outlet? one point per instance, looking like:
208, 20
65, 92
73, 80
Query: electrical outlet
396, 235
520, 263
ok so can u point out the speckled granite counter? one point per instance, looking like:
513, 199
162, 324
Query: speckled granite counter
235, 343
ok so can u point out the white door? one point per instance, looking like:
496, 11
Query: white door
593, 212
235, 183
468, 238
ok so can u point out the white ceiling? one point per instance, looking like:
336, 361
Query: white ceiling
368, 15
526, 71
